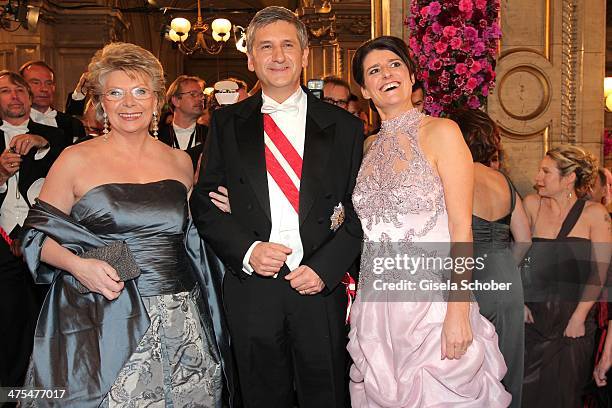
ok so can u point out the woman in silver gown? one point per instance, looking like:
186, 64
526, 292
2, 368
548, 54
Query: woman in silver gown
154, 341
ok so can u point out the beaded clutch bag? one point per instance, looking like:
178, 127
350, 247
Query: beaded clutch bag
117, 255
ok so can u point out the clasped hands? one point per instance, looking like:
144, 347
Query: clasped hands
268, 258
10, 159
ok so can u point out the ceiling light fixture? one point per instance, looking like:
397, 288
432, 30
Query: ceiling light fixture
179, 33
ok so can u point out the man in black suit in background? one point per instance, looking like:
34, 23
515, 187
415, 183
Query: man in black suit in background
185, 96
41, 79
290, 163
28, 151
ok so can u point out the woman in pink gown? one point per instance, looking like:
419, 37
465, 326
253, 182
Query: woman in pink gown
411, 349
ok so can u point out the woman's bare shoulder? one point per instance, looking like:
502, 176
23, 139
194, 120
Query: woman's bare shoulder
440, 132
181, 162
79, 155
596, 212
433, 124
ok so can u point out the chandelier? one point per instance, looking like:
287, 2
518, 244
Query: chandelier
20, 12
179, 33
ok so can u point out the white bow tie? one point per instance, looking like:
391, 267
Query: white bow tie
50, 113
273, 107
14, 130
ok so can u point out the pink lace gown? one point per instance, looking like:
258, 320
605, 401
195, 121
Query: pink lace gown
395, 344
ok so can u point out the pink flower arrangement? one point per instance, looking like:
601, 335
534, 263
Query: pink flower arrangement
454, 43
607, 142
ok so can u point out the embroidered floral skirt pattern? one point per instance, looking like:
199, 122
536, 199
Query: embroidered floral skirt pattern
172, 366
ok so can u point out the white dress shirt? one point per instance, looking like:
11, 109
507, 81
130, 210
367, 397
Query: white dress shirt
184, 135
44, 118
285, 221
14, 208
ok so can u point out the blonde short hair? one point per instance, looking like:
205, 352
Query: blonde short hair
128, 58
572, 159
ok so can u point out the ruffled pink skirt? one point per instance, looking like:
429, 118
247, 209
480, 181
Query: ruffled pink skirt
396, 351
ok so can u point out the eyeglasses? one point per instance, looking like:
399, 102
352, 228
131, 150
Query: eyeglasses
117, 94
338, 102
193, 94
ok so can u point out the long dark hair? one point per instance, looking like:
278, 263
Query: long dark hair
480, 133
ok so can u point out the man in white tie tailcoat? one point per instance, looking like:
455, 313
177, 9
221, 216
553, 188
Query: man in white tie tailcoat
290, 163
27, 152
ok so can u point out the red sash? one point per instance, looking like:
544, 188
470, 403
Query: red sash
275, 168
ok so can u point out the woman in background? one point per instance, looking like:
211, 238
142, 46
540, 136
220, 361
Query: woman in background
568, 262
497, 212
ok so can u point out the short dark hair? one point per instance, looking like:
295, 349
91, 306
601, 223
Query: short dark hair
272, 14
481, 134
17, 79
334, 80
386, 42
353, 98
30, 64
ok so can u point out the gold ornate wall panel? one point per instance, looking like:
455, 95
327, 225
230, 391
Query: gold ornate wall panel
524, 152
524, 92
17, 48
548, 80
569, 68
382, 13
334, 37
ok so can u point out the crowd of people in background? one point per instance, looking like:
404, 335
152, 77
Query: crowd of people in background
542, 343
